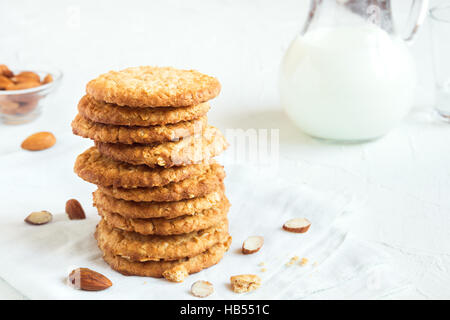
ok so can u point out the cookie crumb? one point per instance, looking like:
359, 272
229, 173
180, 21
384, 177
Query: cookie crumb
303, 262
176, 274
261, 264
245, 283
315, 264
292, 261
263, 270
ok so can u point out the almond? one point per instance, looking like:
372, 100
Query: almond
5, 83
74, 210
47, 79
39, 217
7, 106
26, 84
4, 70
39, 141
26, 76
245, 283
89, 280
252, 244
297, 225
202, 288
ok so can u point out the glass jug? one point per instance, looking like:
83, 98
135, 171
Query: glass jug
349, 75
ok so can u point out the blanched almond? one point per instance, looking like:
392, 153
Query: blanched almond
39, 141
74, 210
252, 244
297, 225
202, 288
39, 217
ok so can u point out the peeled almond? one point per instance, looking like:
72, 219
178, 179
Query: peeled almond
202, 288
297, 225
39, 217
252, 244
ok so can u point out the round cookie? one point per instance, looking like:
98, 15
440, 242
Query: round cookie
121, 134
98, 169
107, 113
161, 226
137, 247
189, 150
146, 210
192, 187
156, 269
149, 86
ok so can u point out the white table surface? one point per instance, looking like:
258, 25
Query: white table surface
402, 180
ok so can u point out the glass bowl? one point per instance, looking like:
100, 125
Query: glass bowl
22, 106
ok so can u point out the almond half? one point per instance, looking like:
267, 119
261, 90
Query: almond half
252, 244
39, 141
74, 210
202, 288
39, 217
297, 225
89, 280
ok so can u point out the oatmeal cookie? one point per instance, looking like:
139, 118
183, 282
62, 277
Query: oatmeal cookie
149, 86
193, 187
137, 247
98, 169
156, 269
161, 226
122, 134
189, 150
107, 113
146, 210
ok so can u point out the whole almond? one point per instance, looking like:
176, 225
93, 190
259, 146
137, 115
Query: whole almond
26, 84
47, 79
297, 225
39, 141
4, 70
26, 76
88, 280
252, 244
74, 210
5, 83
39, 217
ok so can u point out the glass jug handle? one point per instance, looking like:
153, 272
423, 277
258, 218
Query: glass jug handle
417, 15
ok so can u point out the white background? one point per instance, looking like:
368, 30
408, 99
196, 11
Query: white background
402, 180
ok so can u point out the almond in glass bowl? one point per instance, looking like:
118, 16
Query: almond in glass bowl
22, 92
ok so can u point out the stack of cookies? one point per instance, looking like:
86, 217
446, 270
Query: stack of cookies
160, 193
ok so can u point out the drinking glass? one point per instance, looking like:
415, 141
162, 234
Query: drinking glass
440, 34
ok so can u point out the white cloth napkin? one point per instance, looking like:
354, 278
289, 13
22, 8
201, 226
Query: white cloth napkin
36, 260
